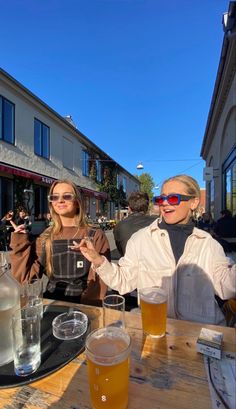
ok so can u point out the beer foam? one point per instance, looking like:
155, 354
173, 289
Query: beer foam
107, 346
153, 297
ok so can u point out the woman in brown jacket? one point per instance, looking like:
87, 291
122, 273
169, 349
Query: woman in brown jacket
70, 276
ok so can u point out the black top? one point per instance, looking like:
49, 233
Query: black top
225, 227
125, 228
178, 234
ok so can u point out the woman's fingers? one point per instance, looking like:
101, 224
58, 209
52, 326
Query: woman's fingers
20, 229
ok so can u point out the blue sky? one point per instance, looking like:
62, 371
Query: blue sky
137, 76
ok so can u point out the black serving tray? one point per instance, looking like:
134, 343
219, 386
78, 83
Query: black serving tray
55, 353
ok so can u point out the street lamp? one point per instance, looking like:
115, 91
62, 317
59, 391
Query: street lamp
139, 166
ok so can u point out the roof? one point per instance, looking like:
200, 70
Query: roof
229, 27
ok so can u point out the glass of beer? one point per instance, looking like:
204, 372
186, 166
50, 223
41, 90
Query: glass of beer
153, 303
107, 352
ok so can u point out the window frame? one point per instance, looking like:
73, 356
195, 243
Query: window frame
85, 162
3, 137
228, 196
42, 152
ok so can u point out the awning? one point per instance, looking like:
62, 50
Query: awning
25, 174
45, 179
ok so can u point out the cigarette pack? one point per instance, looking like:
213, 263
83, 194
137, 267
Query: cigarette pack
210, 343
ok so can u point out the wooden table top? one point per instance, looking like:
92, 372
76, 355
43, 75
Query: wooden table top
164, 373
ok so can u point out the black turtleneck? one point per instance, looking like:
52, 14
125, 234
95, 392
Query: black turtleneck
178, 234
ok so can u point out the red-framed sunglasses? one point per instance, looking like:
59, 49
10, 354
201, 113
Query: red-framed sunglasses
173, 199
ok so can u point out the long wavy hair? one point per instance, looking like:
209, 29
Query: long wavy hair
48, 235
192, 188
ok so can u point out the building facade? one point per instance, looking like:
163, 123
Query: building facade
38, 146
219, 143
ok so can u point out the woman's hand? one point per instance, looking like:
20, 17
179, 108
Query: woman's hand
18, 229
87, 249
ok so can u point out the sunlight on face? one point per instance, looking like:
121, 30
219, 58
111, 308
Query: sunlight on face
177, 214
64, 208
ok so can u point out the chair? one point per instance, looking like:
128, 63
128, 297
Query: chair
229, 310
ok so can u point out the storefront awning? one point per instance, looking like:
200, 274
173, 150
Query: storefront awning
25, 174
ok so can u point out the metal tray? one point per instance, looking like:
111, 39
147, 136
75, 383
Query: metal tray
55, 353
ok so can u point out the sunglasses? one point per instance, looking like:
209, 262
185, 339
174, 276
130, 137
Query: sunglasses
173, 199
67, 197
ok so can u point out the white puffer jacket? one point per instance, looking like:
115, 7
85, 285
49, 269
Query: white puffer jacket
202, 271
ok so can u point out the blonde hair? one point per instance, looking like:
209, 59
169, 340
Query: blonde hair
48, 235
192, 188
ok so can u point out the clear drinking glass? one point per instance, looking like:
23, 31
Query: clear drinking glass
114, 311
26, 340
32, 294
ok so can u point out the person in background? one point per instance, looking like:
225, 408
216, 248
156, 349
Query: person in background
225, 225
138, 217
224, 228
206, 222
22, 218
48, 219
6, 229
70, 276
154, 210
172, 253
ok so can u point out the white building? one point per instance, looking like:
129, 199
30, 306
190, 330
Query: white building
37, 146
219, 143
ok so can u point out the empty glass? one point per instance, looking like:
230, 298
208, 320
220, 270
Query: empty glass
114, 311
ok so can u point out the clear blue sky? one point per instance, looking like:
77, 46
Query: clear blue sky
137, 76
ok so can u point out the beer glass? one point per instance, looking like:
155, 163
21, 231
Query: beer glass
107, 352
153, 303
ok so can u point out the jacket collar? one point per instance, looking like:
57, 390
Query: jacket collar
202, 234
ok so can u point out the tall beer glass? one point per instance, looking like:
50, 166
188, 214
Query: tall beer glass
107, 351
153, 303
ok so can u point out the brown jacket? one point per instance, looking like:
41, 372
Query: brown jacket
27, 255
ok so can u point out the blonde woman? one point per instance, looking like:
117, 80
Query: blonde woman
173, 254
70, 276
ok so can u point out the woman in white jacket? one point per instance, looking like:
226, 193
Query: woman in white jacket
173, 254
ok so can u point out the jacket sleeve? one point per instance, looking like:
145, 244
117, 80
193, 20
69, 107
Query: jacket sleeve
25, 257
224, 273
96, 288
122, 277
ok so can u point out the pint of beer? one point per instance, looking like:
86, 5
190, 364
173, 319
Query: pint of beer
107, 352
153, 303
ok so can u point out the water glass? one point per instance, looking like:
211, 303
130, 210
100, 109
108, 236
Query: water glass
26, 340
32, 294
114, 311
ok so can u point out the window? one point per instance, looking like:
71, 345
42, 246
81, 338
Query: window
211, 196
117, 181
98, 170
41, 139
67, 154
229, 183
124, 184
7, 120
40, 202
85, 163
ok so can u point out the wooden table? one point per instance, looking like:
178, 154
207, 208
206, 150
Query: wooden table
165, 373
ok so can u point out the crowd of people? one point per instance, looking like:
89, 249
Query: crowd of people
176, 248
222, 229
